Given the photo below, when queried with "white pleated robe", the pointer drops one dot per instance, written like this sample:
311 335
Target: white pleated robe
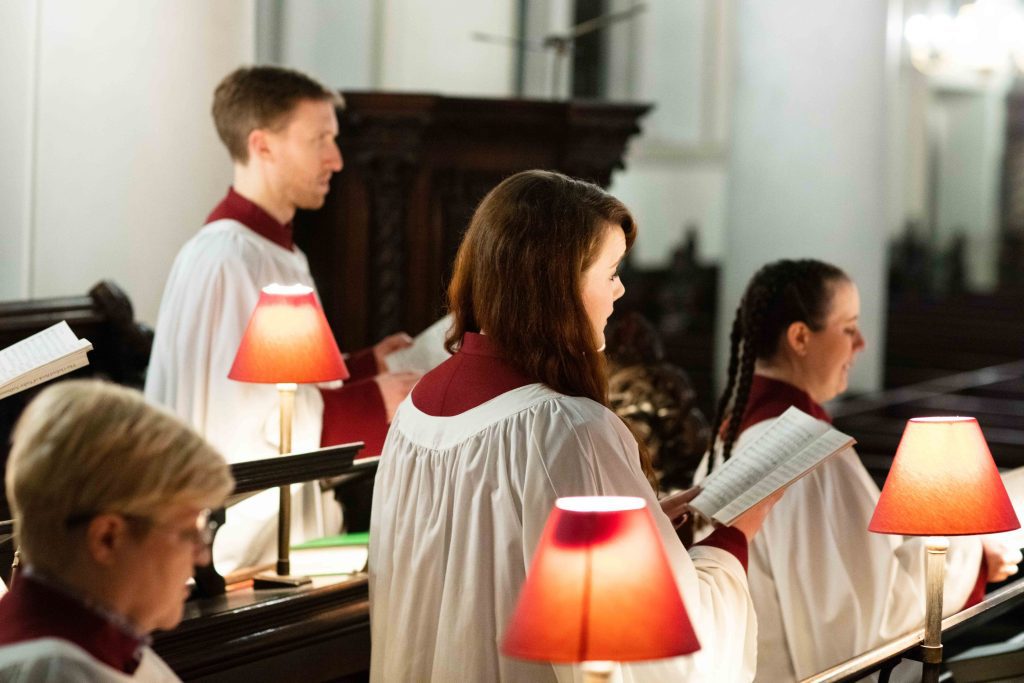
210 294
459 506
52 660
824 587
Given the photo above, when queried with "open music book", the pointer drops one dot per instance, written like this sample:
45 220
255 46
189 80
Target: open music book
45 355
427 350
794 445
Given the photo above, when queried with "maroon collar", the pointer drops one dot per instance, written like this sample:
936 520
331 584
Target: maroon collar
251 215
473 376
36 609
479 345
769 398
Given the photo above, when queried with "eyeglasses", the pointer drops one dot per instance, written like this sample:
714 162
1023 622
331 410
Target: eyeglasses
200 536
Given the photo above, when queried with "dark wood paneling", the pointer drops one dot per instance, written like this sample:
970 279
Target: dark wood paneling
416 166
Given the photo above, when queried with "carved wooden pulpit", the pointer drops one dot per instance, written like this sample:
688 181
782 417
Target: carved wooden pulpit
416 166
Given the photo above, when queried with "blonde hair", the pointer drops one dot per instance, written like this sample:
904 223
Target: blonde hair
86 447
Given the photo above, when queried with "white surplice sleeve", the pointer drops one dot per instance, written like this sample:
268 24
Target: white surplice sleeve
585 449
210 294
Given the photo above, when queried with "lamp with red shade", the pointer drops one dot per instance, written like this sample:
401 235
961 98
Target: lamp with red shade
287 342
599 590
942 483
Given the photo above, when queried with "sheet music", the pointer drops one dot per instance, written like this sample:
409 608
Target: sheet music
427 350
791 447
42 347
46 354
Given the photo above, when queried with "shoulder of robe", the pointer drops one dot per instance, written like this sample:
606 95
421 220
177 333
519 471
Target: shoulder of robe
227 240
587 415
52 660
218 249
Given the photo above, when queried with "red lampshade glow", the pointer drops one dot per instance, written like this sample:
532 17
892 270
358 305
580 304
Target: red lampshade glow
943 483
600 588
288 341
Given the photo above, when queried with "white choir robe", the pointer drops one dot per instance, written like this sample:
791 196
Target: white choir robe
53 660
825 588
210 294
458 509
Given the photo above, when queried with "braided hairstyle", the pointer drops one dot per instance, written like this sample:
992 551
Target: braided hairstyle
778 295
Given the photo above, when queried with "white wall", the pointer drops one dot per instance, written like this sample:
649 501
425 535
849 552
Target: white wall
969 134
334 41
126 163
398 45
17 65
808 161
675 174
428 47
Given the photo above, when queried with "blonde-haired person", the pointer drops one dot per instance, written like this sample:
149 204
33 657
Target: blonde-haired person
110 498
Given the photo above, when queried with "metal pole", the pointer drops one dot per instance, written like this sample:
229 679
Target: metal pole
935 569
286 392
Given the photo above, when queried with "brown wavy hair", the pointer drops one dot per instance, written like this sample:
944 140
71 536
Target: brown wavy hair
518 275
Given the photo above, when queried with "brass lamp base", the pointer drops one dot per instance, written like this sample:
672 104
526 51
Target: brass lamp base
596 671
283 578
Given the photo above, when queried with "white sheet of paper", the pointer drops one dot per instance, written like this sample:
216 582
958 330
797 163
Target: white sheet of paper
794 445
427 350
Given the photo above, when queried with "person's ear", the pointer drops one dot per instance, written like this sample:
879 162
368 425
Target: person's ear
259 143
105 536
798 337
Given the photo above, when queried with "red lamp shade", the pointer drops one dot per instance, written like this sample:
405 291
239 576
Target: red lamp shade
943 483
600 588
288 340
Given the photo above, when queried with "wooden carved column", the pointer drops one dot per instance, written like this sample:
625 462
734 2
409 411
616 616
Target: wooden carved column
385 153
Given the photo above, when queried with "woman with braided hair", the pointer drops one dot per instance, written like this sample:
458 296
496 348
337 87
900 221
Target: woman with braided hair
824 588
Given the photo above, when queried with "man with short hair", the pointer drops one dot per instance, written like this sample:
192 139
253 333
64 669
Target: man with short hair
111 500
279 127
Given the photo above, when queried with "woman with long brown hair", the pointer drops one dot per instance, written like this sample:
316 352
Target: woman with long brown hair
516 418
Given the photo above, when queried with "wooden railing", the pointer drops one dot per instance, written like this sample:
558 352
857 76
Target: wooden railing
995 396
885 657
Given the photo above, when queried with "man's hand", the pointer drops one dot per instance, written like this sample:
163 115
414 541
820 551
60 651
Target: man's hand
388 345
394 387
1001 559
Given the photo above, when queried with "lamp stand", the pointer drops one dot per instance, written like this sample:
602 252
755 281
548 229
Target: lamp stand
283 578
597 671
935 569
